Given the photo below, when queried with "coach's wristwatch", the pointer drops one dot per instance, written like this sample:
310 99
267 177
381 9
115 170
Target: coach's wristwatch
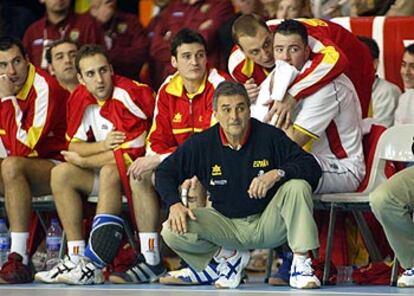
281 173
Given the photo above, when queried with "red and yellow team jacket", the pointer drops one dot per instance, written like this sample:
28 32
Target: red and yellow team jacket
334 51
42 33
32 124
178 115
130 110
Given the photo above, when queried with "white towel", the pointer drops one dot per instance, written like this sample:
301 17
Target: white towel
273 87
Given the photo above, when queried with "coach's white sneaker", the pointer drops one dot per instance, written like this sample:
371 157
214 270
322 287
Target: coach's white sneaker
85 273
231 270
302 275
406 279
51 276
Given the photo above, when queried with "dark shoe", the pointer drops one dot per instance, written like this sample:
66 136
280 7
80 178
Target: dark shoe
14 271
140 272
281 277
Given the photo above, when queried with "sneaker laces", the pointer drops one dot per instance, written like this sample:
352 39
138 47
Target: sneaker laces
62 265
83 268
86 268
222 267
305 268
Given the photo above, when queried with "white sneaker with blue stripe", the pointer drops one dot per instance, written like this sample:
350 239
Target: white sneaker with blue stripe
406 279
231 270
51 276
85 273
189 276
302 275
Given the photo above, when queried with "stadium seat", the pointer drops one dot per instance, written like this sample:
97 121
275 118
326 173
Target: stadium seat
391 33
393 144
40 205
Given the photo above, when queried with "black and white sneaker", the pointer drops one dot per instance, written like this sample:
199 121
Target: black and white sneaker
51 276
85 273
140 272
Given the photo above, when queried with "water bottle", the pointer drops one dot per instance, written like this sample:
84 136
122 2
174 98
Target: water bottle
4 242
53 240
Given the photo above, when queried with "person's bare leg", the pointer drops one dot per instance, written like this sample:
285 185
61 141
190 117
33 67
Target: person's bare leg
147 212
110 191
22 179
68 183
146 204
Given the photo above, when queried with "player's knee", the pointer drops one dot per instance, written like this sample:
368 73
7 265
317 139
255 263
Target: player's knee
61 175
109 174
12 168
144 182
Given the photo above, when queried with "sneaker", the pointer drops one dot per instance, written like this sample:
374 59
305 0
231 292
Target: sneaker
231 270
51 276
140 272
85 273
189 276
14 271
302 275
281 277
406 279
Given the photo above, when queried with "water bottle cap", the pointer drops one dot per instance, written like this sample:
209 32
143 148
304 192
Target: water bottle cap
54 220
2 221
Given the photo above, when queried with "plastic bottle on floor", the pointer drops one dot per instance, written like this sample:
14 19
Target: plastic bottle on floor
53 241
4 241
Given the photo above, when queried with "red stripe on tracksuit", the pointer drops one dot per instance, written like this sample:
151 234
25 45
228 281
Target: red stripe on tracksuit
335 141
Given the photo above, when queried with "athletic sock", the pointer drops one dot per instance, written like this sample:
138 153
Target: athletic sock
76 249
149 242
19 244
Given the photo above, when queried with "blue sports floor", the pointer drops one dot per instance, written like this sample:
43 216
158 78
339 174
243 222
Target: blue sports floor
254 287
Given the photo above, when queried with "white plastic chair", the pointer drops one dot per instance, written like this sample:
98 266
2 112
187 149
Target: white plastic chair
395 144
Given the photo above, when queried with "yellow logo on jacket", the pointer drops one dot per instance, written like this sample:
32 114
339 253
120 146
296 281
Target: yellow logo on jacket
260 163
216 170
177 117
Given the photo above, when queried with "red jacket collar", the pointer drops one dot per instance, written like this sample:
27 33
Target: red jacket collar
225 142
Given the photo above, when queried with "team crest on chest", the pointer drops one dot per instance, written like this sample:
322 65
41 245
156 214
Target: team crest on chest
216 170
177 117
